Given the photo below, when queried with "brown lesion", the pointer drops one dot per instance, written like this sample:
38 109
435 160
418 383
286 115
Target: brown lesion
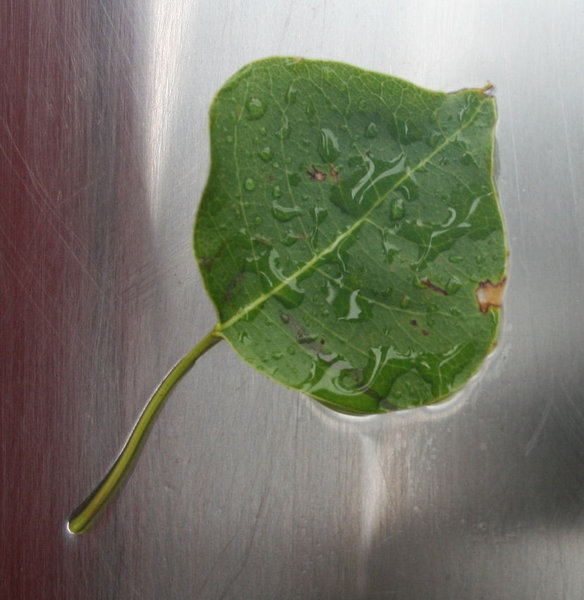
316 175
208 262
431 286
228 295
334 174
490 294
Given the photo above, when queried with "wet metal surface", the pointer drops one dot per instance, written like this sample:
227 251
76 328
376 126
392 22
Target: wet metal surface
246 489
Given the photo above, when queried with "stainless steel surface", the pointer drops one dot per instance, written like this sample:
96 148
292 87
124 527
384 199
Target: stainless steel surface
246 489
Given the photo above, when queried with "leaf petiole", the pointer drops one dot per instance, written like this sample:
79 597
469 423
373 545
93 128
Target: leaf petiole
86 514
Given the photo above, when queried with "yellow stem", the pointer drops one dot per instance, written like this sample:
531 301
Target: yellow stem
86 514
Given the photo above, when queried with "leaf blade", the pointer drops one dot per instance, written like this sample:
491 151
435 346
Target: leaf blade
315 204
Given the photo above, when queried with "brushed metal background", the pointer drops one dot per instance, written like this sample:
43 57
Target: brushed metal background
246 489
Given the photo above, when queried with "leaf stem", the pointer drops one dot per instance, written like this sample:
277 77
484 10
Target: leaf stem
86 514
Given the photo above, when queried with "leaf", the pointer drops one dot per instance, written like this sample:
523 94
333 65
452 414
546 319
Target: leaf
349 220
350 239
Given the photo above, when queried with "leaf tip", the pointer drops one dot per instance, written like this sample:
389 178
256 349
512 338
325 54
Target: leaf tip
488 90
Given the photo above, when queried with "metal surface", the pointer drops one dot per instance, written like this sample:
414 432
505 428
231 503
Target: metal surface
246 489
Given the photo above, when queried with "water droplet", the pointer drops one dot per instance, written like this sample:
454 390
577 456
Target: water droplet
271 274
266 153
362 106
450 219
285 318
249 184
397 209
229 139
371 130
285 213
347 303
255 108
277 355
435 138
389 246
405 130
291 95
409 189
276 191
405 301
467 159
355 311
319 214
291 238
284 132
350 379
455 259
310 109
358 192
258 220
328 145
244 338
291 350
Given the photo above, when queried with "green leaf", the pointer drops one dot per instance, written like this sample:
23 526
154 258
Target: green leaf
349 237
349 234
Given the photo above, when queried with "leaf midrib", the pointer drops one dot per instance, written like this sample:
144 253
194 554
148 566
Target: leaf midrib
220 327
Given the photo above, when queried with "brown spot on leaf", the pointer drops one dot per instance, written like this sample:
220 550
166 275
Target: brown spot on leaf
316 175
334 173
434 288
207 262
227 297
489 294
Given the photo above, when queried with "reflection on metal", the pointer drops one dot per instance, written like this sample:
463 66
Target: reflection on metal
246 489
